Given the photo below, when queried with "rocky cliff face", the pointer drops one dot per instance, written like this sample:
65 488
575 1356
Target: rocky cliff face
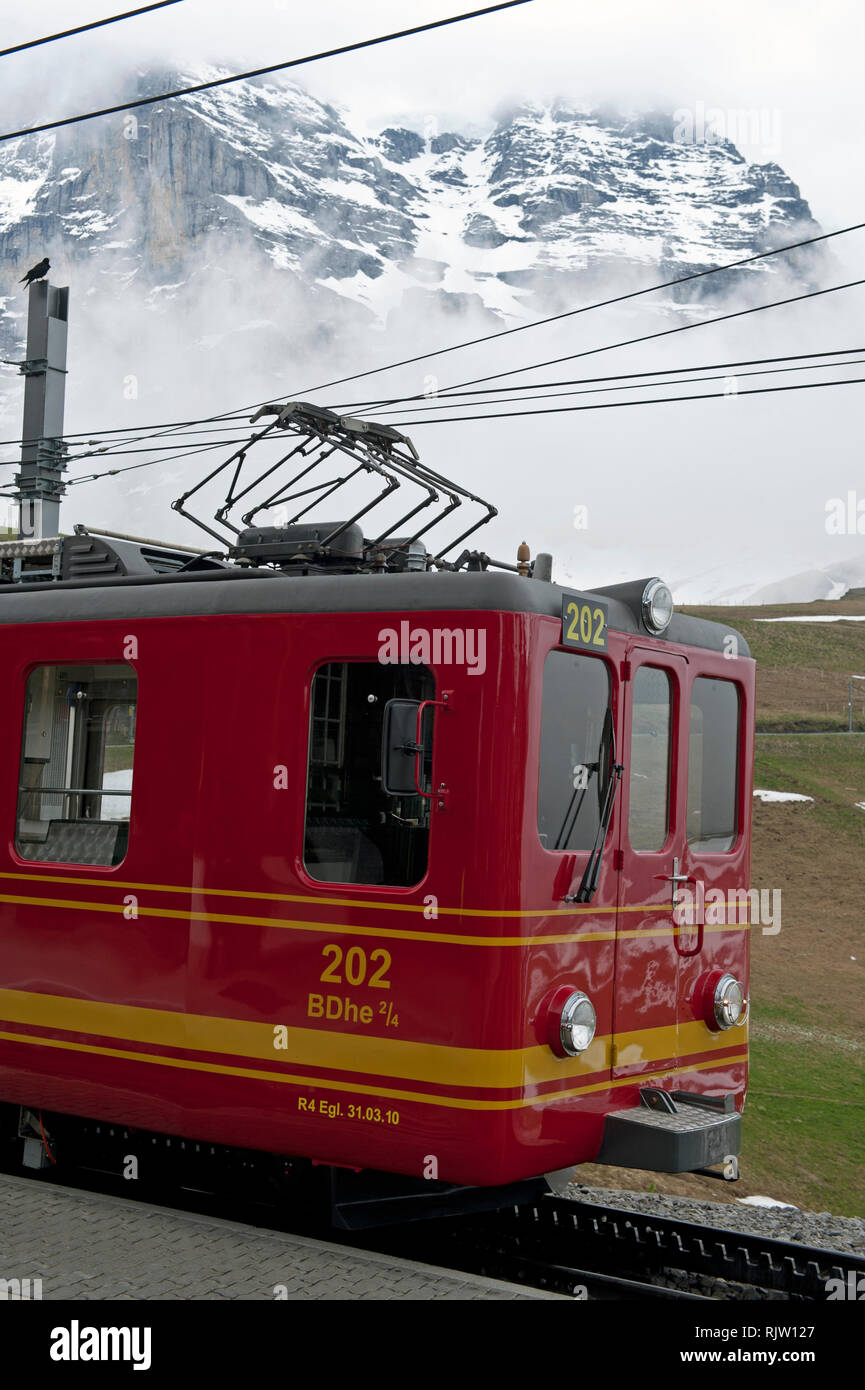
253 239
364 223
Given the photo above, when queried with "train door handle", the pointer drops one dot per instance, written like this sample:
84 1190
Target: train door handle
443 703
675 878
697 949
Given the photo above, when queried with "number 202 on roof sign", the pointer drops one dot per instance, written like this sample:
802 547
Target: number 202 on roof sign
584 623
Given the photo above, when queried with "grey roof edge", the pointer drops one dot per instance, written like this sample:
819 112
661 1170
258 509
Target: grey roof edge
224 592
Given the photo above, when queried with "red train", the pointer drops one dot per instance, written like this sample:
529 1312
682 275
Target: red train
372 869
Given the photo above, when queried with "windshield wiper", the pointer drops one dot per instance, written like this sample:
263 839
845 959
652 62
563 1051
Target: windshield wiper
562 838
589 881
591 873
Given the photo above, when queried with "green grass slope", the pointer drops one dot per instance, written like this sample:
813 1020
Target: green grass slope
804 1132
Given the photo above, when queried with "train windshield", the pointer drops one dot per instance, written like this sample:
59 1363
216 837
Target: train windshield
651 743
75 787
575 705
713 766
355 833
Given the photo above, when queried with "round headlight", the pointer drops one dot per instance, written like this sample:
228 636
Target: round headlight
657 605
730 1004
578 1023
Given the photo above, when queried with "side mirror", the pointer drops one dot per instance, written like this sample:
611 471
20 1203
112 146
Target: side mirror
400 750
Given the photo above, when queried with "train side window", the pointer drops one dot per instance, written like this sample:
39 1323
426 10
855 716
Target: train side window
75 786
355 832
713 765
649 779
575 703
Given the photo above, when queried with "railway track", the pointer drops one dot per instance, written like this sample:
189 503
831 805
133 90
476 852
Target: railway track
493 1251
657 1242
565 1246
557 1244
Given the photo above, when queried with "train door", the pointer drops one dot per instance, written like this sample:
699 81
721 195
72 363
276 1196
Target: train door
652 850
715 906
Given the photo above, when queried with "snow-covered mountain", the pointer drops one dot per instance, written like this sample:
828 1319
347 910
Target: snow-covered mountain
369 224
220 243
823 582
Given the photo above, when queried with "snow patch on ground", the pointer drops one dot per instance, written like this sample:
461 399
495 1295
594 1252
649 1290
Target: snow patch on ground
820 618
765 1202
781 796
116 807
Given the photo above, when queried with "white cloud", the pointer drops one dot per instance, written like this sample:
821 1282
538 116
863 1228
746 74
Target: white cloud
713 495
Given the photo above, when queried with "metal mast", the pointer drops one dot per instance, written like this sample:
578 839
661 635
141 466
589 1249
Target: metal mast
43 452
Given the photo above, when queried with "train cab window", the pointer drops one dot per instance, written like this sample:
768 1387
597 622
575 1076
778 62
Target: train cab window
576 702
75 787
355 832
649 779
713 765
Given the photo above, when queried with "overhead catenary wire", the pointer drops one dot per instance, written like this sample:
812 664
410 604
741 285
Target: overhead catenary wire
633 380
645 337
630 381
148 463
134 437
94 436
117 446
150 449
653 400
141 433
85 28
587 352
635 386
237 412
581 309
515 414
303 392
263 72
121 453
535 323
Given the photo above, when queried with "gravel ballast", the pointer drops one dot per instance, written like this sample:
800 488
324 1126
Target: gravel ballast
843 1233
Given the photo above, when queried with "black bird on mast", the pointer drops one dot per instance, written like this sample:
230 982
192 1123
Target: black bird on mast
36 272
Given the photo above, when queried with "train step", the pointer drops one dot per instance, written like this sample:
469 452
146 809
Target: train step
673 1132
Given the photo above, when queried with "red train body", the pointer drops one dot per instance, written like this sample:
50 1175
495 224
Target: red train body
229 976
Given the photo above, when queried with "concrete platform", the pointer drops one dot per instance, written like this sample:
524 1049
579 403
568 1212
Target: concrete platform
87 1246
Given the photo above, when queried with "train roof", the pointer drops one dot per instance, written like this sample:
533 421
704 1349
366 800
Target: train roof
258 590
